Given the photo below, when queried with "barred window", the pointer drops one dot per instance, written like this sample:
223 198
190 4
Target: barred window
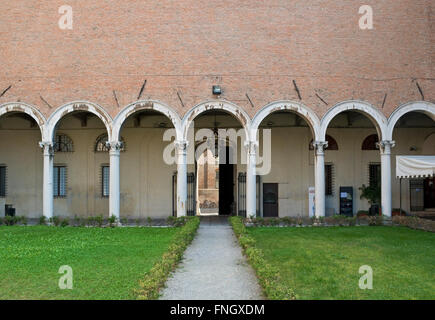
2 181
370 143
101 146
105 179
63 143
375 174
329 180
59 181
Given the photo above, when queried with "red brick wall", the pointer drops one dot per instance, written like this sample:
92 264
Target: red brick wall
246 46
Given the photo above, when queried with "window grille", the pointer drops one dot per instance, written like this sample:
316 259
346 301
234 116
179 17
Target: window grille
101 143
241 190
59 181
63 143
105 175
329 179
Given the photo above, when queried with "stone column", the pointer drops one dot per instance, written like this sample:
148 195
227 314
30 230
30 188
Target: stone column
181 147
385 149
114 183
47 188
319 169
251 183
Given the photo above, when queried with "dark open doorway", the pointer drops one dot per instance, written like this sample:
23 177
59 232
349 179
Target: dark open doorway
226 185
429 193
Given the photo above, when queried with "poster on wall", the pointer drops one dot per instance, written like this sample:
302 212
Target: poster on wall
311 202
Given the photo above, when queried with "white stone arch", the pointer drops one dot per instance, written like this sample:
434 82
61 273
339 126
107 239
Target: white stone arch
87 106
306 113
27 109
222 105
425 107
378 119
145 105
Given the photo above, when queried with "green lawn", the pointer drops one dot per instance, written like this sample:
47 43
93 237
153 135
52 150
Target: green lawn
107 263
323 263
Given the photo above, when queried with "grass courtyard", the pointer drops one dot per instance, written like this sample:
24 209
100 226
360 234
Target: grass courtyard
107 263
323 263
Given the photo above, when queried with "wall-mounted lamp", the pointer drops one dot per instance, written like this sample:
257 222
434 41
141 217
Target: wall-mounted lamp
217 90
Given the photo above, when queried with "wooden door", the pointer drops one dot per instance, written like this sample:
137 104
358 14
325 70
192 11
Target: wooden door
270 199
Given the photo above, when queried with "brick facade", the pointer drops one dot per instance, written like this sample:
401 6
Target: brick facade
248 47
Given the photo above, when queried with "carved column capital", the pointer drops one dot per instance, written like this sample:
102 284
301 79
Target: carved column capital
386 145
251 147
47 147
115 146
181 146
320 146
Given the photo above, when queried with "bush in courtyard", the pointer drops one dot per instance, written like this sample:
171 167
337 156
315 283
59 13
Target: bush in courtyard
55 220
176 222
10 220
287 221
170 220
268 275
91 221
99 221
375 220
75 221
156 277
83 222
42 220
274 222
299 221
112 220
64 222
22 220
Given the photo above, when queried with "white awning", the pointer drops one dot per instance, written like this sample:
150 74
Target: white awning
415 166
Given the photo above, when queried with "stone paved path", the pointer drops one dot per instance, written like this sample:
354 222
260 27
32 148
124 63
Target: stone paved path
213 267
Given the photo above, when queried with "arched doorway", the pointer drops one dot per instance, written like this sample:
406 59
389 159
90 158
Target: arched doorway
219 132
